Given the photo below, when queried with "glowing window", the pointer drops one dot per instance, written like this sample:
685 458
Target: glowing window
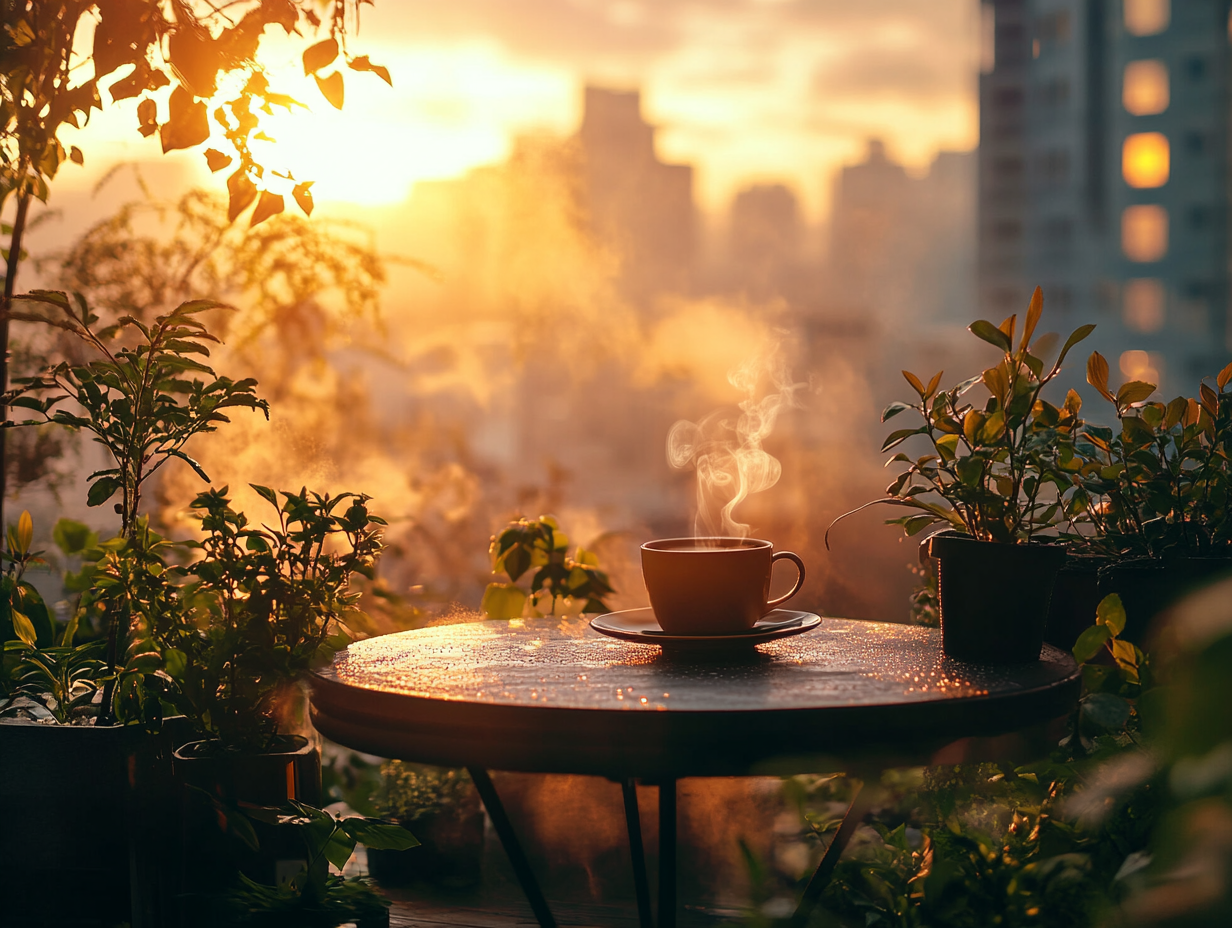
1142 304
1147 17
1142 365
1144 233
1145 159
1144 91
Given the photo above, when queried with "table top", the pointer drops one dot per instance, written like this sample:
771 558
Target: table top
552 695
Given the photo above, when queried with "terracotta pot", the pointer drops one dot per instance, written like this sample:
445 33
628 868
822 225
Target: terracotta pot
994 597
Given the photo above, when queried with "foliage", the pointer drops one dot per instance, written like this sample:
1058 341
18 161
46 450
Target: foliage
262 606
539 543
279 268
410 792
925 597
138 401
23 614
1161 483
313 896
992 466
203 52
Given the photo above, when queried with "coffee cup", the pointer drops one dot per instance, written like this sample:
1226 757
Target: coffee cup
712 586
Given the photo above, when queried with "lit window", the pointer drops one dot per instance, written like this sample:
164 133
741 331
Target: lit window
1147 17
1144 233
1142 304
1147 366
1144 159
1145 88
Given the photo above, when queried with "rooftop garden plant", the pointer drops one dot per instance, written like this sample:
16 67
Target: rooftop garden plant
987 469
568 583
1160 482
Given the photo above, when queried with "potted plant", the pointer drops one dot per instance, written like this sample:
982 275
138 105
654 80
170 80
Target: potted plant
1151 504
992 472
262 606
136 398
442 807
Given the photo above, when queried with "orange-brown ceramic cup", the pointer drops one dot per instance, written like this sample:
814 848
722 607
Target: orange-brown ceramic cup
712 586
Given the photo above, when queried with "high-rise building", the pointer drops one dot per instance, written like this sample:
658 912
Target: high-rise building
641 207
1105 175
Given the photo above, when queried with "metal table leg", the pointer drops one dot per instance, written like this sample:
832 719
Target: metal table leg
633 822
667 854
860 804
513 848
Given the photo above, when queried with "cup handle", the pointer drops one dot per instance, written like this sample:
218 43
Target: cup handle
799 580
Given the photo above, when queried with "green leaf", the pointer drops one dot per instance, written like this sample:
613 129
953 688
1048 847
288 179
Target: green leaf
985 330
1090 642
1074 338
893 410
1111 614
175 662
1134 392
23 628
380 835
73 537
503 601
102 490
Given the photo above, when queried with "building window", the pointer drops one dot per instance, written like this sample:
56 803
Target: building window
1142 304
1053 166
1055 92
1006 231
1007 168
1147 17
1144 233
1195 142
1057 231
1142 365
1145 160
1199 216
1007 97
1144 90
1196 68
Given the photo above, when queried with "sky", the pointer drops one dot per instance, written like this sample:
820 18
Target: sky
748 91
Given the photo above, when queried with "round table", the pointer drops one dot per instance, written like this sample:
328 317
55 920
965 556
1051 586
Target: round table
554 696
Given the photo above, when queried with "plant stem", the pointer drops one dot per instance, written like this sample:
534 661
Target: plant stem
10 284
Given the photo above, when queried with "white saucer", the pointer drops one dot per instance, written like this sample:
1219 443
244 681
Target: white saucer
640 625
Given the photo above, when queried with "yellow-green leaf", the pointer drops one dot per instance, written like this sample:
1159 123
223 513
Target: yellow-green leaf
24 628
1034 311
25 532
503 601
1111 613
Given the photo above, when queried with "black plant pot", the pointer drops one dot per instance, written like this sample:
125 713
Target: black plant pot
83 811
212 784
64 839
1148 586
450 854
1075 596
994 597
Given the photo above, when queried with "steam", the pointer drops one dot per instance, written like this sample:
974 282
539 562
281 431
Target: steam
726 451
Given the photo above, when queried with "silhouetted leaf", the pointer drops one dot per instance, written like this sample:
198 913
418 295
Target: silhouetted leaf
331 88
216 159
1074 338
188 122
242 191
361 63
303 196
75 155
319 56
270 204
147 115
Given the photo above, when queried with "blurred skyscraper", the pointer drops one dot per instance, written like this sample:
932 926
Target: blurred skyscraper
640 206
901 248
1105 175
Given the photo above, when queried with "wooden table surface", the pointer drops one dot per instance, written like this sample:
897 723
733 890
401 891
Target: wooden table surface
552 695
